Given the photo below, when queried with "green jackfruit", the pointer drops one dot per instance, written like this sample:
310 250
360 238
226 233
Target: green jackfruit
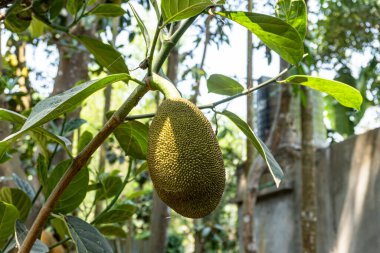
184 159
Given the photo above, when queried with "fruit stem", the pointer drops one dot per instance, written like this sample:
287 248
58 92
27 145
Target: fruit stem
156 82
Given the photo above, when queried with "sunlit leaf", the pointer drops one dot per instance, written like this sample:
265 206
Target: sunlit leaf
175 10
223 85
273 32
343 93
293 12
52 107
108 10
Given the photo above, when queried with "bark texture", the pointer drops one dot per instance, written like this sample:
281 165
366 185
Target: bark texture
309 191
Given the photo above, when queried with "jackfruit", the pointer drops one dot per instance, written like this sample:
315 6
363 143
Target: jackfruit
184 159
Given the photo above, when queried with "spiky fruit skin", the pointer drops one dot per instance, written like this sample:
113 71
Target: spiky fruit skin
184 159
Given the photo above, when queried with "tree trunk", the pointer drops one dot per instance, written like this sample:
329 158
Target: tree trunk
309 191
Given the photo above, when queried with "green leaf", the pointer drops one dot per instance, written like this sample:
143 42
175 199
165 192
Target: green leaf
42 171
293 12
156 8
107 56
142 27
59 226
17 198
39 132
8 216
86 237
109 186
21 232
73 124
273 32
108 10
176 10
118 213
133 138
263 150
142 168
52 107
84 139
112 231
18 18
223 85
24 186
36 28
73 6
75 192
343 93
55 8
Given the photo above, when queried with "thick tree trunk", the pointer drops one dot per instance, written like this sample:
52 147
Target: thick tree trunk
309 191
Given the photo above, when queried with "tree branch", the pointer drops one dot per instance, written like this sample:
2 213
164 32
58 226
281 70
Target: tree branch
222 101
81 160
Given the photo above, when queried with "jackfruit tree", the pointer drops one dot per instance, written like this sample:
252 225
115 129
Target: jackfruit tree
179 148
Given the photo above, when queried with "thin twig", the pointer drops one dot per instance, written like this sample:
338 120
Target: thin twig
222 101
153 47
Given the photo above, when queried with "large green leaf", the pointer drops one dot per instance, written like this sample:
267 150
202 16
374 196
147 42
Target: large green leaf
19 119
175 10
108 10
86 237
263 150
119 213
293 12
8 216
18 198
223 85
133 138
107 56
343 93
21 232
52 107
75 192
273 32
